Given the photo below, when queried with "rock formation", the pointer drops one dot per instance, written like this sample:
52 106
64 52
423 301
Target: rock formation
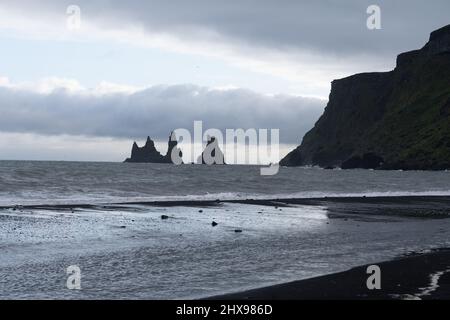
212 153
149 154
173 150
389 120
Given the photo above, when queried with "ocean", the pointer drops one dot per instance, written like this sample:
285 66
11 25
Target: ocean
24 182
105 218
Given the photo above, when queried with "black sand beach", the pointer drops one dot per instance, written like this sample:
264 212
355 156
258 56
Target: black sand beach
411 206
313 240
417 277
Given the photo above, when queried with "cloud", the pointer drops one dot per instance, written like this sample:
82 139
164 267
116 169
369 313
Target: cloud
308 43
332 26
65 108
4 81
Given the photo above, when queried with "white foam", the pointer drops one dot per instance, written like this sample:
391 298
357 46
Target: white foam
434 284
425 291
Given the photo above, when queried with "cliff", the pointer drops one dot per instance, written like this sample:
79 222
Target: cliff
390 120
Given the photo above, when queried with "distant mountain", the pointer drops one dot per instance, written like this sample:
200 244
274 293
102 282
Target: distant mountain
391 120
149 154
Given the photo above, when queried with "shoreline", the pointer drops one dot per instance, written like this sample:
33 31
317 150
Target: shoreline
281 240
272 202
415 277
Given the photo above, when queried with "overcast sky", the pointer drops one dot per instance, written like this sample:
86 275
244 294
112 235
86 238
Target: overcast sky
138 68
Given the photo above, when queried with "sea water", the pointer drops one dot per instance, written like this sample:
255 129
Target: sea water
127 251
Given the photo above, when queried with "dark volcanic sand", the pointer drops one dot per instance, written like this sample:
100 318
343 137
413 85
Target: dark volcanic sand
424 276
127 251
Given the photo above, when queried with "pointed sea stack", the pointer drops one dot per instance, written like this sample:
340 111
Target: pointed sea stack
149 154
145 154
173 150
212 151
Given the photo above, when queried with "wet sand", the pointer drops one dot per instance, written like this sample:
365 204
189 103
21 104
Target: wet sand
127 251
417 277
437 206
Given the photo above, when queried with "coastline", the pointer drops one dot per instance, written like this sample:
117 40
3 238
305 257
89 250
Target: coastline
281 240
331 201
416 277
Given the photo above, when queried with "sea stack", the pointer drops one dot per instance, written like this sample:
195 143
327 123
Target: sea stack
212 155
149 154
174 151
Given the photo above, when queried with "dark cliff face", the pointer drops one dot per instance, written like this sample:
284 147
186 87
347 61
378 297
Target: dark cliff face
400 118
